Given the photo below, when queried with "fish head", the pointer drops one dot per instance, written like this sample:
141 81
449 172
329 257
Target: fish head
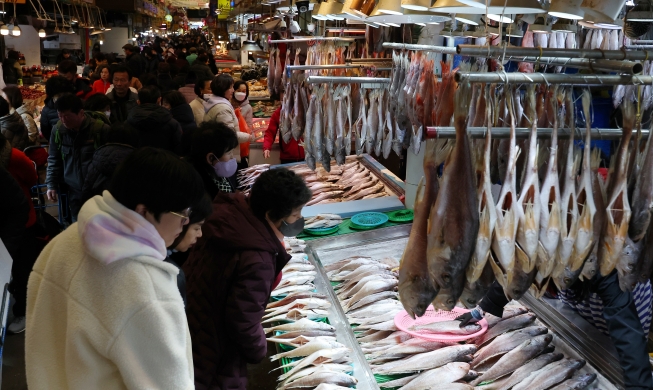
627 265
444 300
472 294
416 293
519 278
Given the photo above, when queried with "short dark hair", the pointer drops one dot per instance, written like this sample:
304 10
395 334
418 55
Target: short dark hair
99 57
193 49
191 77
14 96
65 51
199 212
174 98
278 192
157 179
101 68
202 58
121 68
67 66
123 133
212 137
221 84
4 107
199 85
163 67
69 102
97 102
237 85
92 63
149 94
57 85
13 54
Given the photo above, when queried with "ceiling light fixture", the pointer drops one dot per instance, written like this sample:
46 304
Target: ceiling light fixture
605 12
540 26
41 33
566 9
416 5
565 25
501 18
390 7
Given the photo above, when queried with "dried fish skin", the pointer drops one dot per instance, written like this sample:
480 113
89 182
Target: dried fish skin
454 218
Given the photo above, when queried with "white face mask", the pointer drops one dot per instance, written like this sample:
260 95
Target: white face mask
207 96
107 113
240 96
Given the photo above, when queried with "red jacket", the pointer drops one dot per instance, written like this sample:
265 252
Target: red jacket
289 151
101 86
22 169
230 273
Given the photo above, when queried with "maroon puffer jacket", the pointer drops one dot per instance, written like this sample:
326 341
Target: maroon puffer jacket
230 274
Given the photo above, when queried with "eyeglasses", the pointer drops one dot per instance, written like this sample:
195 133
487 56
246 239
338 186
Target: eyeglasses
184 218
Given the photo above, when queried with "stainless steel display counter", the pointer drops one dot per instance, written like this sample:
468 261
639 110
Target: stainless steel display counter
572 334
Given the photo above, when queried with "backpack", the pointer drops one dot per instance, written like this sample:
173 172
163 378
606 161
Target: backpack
242 124
96 130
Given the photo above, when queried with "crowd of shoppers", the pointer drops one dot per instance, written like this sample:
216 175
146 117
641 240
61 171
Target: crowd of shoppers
146 152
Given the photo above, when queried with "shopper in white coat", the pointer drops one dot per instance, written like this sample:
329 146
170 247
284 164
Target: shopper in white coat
219 108
103 309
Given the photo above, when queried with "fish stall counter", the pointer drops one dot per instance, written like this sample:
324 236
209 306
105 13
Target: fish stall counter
372 186
364 318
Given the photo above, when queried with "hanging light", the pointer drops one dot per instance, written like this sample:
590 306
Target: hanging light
163 26
642 12
409 17
454 7
470 19
16 31
603 12
565 25
507 7
540 26
567 9
4 30
416 5
500 18
390 7
41 33
70 30
101 39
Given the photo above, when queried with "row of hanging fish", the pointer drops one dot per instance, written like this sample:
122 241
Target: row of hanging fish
312 355
555 219
515 352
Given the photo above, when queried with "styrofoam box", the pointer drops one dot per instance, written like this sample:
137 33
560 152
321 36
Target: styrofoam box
65 38
51 44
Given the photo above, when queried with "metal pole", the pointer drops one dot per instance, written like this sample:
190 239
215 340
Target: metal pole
405 46
524 132
546 78
366 60
638 47
336 39
641 41
346 80
628 67
318 67
498 51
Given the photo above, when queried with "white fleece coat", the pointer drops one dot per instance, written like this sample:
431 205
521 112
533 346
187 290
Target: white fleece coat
103 308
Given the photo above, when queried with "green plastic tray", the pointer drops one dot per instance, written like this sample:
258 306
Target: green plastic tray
323 231
401 216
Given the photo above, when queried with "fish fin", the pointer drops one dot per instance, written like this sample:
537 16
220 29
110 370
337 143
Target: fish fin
498 272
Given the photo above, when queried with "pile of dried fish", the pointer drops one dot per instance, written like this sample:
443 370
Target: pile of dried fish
554 221
246 177
351 181
314 358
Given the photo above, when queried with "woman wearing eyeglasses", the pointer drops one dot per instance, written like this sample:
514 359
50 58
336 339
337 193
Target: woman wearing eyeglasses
231 273
212 156
103 308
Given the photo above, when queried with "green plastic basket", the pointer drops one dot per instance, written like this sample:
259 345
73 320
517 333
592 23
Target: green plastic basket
401 216
322 231
369 220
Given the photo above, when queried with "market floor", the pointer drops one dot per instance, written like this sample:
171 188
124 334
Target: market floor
13 367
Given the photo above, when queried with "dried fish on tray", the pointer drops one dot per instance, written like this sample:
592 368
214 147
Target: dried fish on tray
516 350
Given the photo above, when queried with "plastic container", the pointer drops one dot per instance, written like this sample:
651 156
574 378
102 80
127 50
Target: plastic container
401 216
322 231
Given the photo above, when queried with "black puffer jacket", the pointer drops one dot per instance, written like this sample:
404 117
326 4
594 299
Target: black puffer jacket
49 118
14 129
184 115
104 163
156 127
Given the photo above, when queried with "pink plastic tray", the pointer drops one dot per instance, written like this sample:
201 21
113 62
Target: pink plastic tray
404 321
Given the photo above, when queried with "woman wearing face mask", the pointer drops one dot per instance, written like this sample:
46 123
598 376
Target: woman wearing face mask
103 84
212 156
231 272
241 100
178 251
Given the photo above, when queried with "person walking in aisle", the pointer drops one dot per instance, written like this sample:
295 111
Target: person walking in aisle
11 69
192 56
73 141
181 111
241 100
123 99
202 91
231 272
68 69
290 152
155 125
218 108
212 156
134 60
201 67
103 308
15 99
103 84
55 87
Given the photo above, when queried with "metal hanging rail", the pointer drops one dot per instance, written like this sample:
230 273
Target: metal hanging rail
367 60
627 67
550 78
497 51
314 39
406 46
524 132
346 80
319 67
